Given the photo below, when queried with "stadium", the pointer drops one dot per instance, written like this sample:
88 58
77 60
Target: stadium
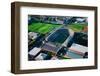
57 37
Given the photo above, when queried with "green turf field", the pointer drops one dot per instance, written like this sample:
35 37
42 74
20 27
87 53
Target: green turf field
77 27
42 28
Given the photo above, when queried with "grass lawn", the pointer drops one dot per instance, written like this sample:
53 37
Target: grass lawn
65 58
42 28
77 27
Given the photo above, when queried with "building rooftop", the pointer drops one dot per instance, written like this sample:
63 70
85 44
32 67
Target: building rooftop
50 47
79 49
35 51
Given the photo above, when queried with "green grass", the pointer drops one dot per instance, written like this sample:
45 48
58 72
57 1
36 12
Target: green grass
62 57
65 58
42 28
77 27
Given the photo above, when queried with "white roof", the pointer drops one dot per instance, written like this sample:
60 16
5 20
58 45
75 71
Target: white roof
79 48
54 58
39 57
34 51
80 19
33 34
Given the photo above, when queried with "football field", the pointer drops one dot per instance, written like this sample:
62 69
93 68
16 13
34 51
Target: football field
42 28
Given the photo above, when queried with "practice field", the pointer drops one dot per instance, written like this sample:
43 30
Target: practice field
77 27
42 28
